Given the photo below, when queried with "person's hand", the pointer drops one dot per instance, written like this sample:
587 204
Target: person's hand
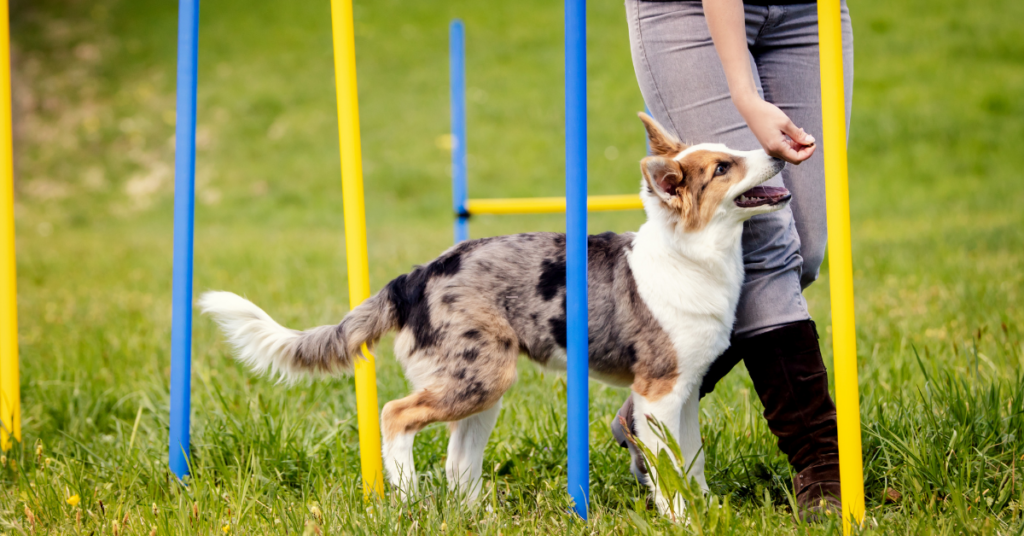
776 132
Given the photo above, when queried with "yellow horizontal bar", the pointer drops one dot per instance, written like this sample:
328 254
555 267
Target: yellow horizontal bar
538 205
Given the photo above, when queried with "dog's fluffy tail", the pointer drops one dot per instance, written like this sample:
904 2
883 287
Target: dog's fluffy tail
264 345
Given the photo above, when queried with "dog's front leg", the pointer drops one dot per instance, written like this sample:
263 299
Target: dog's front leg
689 438
668 409
464 467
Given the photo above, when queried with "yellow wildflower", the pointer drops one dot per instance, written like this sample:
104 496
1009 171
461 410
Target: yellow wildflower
74 500
226 528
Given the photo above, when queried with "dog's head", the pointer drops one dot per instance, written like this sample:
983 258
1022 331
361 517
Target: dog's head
696 186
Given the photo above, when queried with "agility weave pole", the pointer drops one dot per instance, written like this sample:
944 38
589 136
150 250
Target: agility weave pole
457 87
574 204
840 261
184 224
578 358
342 30
10 387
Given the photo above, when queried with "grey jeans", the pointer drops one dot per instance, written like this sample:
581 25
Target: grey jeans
684 85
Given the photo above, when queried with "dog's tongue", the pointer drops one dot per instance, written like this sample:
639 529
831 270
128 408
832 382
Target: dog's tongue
763 195
767 191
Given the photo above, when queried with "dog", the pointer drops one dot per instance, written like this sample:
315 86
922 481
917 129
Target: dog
662 302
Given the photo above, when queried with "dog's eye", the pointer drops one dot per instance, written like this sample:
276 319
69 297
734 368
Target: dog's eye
721 169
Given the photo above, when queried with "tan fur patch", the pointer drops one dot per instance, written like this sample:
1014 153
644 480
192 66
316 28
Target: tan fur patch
409 414
447 401
653 389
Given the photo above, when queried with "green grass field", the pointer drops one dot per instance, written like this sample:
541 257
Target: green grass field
936 193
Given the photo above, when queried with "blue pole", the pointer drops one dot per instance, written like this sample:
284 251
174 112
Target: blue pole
576 250
457 77
184 211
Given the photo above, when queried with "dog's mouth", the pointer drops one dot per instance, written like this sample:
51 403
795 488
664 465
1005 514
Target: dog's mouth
763 196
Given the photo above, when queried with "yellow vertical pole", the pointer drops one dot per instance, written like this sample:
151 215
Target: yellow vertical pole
10 389
355 236
840 261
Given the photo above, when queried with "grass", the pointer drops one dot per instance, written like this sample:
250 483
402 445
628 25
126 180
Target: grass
938 251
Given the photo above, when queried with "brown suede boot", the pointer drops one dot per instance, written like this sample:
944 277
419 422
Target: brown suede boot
790 379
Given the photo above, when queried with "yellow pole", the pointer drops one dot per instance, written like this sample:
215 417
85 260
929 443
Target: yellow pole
10 389
355 236
840 261
538 205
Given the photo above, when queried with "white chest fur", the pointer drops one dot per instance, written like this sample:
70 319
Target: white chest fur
691 285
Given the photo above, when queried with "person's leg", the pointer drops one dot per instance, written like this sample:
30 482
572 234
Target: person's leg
785 362
684 85
786 54
682 81
785 51
680 75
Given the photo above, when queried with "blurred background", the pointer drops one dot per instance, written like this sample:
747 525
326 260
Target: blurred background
935 186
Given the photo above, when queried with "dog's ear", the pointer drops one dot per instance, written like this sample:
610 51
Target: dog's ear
664 176
662 143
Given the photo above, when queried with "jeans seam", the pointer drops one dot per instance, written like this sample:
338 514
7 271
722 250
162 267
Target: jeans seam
647 68
767 17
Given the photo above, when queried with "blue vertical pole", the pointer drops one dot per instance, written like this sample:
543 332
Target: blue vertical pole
457 77
576 250
184 211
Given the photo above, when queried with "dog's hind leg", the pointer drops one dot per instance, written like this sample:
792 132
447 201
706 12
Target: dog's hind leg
469 394
464 467
401 419
460 372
